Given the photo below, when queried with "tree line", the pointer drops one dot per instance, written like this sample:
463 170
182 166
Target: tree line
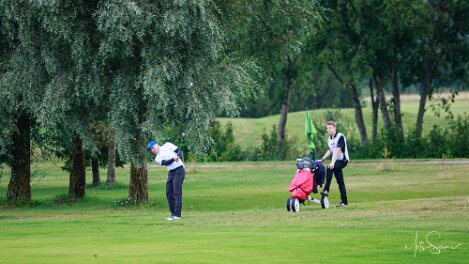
80 77
379 45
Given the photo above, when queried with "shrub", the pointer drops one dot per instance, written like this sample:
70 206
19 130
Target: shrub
458 139
224 147
452 142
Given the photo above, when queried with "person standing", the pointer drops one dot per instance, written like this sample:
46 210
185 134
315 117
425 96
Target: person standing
338 148
169 156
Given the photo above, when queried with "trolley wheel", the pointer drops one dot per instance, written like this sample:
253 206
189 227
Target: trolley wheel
288 205
324 202
295 205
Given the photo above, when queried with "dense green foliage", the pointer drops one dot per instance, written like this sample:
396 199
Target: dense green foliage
141 68
90 57
371 47
165 70
125 60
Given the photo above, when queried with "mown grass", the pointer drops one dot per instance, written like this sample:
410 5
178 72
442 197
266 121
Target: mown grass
236 213
248 131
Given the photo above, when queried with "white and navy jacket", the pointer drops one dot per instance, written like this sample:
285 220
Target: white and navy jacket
166 154
338 141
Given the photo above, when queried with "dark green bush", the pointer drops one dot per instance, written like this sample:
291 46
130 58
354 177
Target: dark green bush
458 138
273 148
224 147
438 143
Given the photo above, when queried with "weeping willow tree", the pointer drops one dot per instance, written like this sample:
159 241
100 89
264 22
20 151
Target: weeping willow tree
168 71
74 97
22 82
148 67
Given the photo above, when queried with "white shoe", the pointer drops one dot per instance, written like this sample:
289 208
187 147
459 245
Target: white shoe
172 218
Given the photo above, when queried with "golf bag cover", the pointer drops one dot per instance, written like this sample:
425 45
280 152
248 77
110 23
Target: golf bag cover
302 185
319 175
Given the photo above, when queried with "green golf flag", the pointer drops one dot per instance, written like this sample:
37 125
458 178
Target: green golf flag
310 131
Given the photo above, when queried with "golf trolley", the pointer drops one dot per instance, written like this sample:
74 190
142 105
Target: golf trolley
308 176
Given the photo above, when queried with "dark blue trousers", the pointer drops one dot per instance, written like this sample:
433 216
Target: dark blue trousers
174 190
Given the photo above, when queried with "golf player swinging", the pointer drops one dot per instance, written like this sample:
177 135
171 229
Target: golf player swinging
169 156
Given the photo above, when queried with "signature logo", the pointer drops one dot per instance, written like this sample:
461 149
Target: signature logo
421 246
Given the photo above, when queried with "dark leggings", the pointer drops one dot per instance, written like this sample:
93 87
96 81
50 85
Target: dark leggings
339 176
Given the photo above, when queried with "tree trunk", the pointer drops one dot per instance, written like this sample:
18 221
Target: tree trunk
286 100
382 104
396 96
111 165
358 114
374 105
19 187
78 169
421 112
424 93
95 170
138 186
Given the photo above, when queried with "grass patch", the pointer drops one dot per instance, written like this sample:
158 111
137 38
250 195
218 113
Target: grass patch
237 214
